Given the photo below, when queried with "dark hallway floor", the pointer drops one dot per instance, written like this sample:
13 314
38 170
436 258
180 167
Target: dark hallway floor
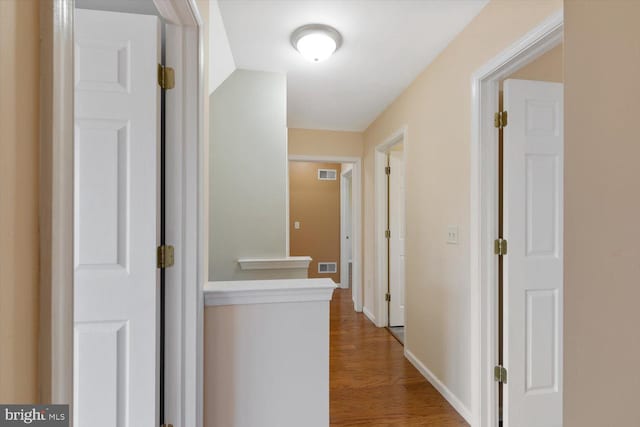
372 384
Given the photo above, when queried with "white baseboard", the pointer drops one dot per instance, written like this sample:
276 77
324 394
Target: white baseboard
435 382
369 315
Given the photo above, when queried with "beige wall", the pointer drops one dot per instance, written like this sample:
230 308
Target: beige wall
547 68
19 83
316 205
602 212
311 142
436 110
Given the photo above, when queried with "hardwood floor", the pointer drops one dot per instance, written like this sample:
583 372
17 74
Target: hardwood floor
372 384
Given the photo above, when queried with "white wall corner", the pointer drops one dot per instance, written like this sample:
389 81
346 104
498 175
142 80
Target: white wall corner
453 400
369 315
221 61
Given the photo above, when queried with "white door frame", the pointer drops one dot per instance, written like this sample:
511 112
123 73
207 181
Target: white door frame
346 179
484 202
185 171
381 316
356 223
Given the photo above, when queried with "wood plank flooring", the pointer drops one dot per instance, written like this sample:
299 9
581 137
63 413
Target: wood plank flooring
372 384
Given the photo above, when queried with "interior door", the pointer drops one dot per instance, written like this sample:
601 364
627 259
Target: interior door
346 220
396 244
533 266
117 119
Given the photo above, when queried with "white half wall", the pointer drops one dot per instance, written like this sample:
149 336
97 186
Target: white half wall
222 63
266 353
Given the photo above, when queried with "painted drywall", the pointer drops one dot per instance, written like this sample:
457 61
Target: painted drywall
221 62
315 205
248 173
267 365
546 68
312 142
602 207
436 108
19 249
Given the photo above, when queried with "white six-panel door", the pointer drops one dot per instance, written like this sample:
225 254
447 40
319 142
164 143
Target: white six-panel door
116 205
533 223
397 228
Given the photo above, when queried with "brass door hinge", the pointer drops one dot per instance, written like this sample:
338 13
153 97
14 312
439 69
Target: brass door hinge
500 119
387 234
165 256
500 247
166 77
500 374
387 297
387 170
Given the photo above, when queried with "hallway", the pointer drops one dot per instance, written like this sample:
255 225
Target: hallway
372 384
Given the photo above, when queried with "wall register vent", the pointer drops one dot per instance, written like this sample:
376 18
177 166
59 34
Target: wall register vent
327 267
327 174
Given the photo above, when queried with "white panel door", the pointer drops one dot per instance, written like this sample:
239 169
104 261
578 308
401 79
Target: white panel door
116 230
533 286
396 245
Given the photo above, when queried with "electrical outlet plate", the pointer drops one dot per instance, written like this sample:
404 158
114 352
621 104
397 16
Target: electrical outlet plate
452 234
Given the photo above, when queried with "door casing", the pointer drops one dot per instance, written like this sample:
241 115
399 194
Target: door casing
187 173
484 210
381 316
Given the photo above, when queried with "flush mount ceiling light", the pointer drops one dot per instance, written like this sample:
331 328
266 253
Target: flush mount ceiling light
316 42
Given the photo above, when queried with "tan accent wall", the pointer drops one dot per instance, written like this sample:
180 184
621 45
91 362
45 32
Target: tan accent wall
19 130
602 212
312 142
316 205
436 108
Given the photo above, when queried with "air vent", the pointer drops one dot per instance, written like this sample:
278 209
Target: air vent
327 267
327 174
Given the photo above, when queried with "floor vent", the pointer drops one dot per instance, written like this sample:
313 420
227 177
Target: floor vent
327 267
327 174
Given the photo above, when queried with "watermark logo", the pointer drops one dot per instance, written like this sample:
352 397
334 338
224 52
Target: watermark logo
34 415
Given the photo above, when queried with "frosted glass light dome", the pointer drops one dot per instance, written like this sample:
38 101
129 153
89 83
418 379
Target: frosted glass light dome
316 42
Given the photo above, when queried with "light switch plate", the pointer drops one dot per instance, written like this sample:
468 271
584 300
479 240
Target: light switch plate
452 234
296 225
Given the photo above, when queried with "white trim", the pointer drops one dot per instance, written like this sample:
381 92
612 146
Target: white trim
483 263
56 199
267 291
346 180
356 223
380 203
369 315
439 385
288 263
184 213
184 313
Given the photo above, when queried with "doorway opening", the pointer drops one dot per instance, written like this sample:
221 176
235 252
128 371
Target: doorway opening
390 226
516 235
324 217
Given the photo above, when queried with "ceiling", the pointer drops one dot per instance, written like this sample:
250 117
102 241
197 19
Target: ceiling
387 43
144 7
